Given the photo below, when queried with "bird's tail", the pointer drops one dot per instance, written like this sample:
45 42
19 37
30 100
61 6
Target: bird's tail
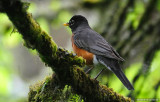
123 79
114 66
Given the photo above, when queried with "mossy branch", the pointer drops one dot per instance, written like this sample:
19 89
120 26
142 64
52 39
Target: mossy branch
63 63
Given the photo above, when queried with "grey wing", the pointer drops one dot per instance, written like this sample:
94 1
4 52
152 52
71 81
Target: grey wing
96 44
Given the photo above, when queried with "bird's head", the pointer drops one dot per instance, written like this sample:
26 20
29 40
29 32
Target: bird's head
77 21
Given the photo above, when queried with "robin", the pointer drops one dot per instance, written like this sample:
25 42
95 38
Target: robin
94 48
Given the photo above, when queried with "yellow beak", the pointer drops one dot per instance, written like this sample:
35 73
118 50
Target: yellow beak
66 24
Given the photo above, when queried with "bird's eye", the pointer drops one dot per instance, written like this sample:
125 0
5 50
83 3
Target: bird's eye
71 22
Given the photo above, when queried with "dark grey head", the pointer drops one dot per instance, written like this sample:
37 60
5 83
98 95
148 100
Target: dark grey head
77 21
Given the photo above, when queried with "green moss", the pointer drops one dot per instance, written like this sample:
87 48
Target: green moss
49 90
34 89
43 91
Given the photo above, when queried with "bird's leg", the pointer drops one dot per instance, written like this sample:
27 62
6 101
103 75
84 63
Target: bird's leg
99 74
89 69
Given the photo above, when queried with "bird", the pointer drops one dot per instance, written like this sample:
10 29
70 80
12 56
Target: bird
90 45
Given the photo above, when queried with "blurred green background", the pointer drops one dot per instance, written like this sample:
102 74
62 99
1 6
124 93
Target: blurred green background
132 27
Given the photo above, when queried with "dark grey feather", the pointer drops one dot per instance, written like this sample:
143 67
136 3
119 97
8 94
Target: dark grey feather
93 42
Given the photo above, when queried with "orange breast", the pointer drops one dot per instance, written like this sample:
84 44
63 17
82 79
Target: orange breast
83 53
